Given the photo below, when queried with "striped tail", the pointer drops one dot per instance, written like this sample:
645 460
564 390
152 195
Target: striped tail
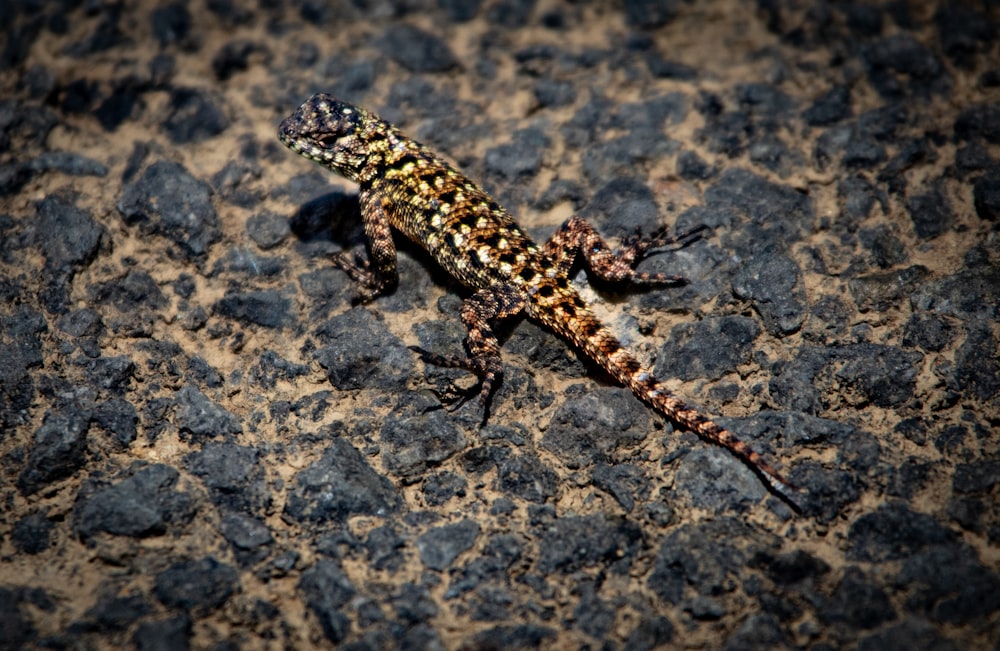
578 324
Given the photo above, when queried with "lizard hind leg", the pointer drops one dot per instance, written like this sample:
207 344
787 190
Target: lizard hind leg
576 234
480 313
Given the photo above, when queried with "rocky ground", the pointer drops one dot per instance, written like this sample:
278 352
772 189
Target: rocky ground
206 444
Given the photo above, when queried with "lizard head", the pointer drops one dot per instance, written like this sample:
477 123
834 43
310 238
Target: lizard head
330 132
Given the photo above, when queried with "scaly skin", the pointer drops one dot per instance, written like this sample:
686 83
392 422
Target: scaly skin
405 186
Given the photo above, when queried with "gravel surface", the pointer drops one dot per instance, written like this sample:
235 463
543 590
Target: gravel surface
205 443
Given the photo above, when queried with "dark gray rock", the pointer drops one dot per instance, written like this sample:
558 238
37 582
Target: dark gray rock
887 250
856 196
199 585
243 261
623 155
440 487
791 567
571 543
894 532
271 367
693 167
66 162
200 418
200 372
414 604
119 417
440 546
513 636
773 284
649 115
511 14
883 375
927 331
622 205
528 478
172 24
828 320
327 590
59 449
900 67
594 616
760 631
339 485
539 347
417 50
554 93
650 633
85 322
32 534
245 533
707 349
979 121
976 372
267 308
111 373
460 10
492 564
857 603
360 352
669 69
412 444
144 504
777 208
825 491
649 14
950 585
521 158
973 157
970 292
194 116
705 557
267 229
716 479
883 290
166 200
930 212
976 477
912 633
137 291
831 107
235 56
986 195
594 424
172 634
233 475
625 482
114 613
385 548
79 235
21 353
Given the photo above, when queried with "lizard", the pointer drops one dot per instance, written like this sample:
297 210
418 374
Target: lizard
404 186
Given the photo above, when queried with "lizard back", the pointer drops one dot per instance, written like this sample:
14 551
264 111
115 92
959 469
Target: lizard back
419 193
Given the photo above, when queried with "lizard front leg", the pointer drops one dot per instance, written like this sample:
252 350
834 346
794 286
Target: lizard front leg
480 312
378 273
576 234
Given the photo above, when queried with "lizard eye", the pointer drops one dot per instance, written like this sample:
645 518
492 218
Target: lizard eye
327 141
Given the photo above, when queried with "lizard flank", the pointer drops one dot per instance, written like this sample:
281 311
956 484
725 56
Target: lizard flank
404 186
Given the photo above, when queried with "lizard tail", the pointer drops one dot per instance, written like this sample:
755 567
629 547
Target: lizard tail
603 347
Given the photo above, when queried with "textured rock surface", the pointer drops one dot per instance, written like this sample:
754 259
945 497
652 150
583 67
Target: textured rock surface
205 443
